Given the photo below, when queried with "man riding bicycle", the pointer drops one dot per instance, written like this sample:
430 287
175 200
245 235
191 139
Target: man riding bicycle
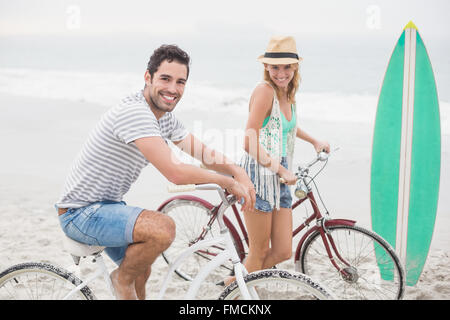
127 138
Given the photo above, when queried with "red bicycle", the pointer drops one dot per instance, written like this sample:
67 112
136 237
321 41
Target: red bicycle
351 261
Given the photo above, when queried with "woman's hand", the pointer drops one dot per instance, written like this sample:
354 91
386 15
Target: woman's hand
320 146
288 177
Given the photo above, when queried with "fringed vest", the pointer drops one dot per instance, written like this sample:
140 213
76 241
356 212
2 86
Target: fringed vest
267 185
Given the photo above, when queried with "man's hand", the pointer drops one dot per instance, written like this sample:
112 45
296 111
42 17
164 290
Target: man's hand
242 178
240 191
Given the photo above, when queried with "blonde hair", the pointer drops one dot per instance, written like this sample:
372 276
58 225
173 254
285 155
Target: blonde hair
292 86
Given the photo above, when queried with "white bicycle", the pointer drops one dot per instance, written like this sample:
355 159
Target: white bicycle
34 281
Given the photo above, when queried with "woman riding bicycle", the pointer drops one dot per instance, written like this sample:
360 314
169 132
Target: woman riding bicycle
269 145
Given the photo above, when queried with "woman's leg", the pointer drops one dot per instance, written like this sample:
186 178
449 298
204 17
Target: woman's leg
281 238
259 226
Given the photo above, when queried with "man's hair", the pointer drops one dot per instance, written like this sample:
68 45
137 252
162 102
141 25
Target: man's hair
169 53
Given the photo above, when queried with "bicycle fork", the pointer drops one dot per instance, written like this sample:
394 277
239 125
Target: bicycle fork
333 252
323 222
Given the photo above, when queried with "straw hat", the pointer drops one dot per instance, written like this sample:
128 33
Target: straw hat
281 50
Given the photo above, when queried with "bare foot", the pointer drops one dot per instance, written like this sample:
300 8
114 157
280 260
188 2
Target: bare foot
122 291
229 280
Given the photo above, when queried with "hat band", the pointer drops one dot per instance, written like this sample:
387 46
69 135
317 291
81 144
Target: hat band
280 55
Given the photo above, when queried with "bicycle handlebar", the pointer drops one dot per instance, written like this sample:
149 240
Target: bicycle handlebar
192 187
321 156
181 188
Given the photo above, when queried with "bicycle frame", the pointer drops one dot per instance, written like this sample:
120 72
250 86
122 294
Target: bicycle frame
102 270
322 223
230 252
219 259
214 211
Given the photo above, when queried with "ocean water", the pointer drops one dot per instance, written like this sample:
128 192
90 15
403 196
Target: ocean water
341 75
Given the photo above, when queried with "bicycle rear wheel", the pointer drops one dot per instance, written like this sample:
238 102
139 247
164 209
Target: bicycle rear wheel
275 284
194 222
374 271
40 281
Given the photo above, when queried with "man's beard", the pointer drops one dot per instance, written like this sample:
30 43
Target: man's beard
159 107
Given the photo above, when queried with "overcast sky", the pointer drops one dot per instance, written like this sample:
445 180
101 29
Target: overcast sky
93 17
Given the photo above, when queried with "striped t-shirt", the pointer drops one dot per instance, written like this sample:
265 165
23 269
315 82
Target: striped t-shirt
109 162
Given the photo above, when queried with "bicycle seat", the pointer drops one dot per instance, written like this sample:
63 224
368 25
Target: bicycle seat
79 249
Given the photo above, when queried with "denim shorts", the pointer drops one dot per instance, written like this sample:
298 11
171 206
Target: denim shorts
285 193
105 223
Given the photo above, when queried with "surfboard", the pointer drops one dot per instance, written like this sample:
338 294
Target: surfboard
406 156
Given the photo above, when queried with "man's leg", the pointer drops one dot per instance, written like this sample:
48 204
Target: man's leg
153 233
140 283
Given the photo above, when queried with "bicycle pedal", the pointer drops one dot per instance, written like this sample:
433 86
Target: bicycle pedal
76 259
220 283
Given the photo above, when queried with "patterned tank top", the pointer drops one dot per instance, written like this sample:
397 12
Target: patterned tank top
266 182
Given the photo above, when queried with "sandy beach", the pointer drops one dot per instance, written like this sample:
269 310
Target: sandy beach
40 138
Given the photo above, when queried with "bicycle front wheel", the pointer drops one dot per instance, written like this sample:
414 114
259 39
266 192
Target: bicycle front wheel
370 269
40 281
276 284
